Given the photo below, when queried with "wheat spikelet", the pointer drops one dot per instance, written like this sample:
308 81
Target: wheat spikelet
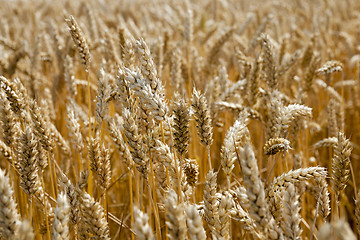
121 38
189 26
283 48
239 212
297 175
221 105
104 172
81 183
100 162
254 186
110 51
248 65
125 94
241 215
44 206
239 193
233 90
94 153
191 171
239 109
161 180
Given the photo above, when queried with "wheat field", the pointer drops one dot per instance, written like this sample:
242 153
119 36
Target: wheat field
166 119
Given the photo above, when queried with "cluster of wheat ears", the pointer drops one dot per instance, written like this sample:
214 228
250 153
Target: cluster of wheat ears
169 119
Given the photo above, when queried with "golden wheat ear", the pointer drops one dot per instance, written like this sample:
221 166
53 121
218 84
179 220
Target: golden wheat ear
9 216
79 40
142 228
62 213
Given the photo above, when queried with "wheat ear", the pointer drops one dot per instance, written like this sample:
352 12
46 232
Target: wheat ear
9 216
62 212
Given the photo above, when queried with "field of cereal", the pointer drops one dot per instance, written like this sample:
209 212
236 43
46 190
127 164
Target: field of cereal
166 119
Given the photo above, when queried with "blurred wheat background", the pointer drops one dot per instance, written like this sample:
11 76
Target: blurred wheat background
165 119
